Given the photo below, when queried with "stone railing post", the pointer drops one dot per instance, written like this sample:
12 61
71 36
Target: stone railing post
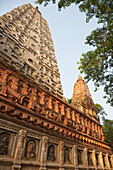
73 115
75 156
50 102
107 161
85 158
43 158
111 160
101 160
61 155
62 109
94 159
56 106
19 149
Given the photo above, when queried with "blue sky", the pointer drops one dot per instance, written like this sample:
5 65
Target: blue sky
69 30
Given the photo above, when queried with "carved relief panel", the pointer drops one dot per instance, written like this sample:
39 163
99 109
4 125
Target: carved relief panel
51 154
4 143
67 155
31 149
7 143
80 156
90 162
97 159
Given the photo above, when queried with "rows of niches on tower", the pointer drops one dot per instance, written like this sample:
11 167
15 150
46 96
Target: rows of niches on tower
32 150
26 43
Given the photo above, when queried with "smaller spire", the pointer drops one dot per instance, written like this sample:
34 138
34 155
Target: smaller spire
81 98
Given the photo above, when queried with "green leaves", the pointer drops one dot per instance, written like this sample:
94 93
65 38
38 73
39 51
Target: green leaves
108 131
70 100
100 111
98 64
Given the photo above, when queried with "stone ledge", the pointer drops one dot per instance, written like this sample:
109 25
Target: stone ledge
32 163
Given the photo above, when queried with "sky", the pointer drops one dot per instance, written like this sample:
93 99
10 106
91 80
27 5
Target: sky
69 29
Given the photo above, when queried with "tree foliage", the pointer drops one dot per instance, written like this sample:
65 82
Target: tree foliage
98 63
70 100
100 111
108 131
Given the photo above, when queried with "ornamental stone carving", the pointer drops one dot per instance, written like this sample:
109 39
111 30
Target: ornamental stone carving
67 155
4 143
90 162
31 150
51 153
80 156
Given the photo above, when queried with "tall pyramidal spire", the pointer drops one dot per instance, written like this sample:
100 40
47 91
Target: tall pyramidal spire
27 45
82 99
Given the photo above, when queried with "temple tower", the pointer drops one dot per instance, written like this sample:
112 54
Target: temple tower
82 99
26 43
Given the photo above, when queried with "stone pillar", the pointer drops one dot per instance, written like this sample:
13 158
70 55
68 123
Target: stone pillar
73 115
93 126
61 155
42 98
75 157
107 161
56 107
50 103
62 109
94 159
112 161
85 158
101 160
43 157
78 118
19 149
68 113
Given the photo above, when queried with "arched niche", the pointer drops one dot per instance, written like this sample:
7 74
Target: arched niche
31 150
67 155
51 153
80 156
4 143
90 162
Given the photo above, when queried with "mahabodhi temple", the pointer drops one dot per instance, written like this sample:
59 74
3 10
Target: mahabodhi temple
39 129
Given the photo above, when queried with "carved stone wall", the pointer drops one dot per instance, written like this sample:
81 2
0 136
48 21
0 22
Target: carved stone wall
30 149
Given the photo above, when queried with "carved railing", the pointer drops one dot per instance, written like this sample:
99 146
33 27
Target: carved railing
33 104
